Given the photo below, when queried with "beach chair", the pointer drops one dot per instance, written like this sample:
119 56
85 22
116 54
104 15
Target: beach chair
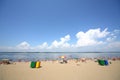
38 64
33 64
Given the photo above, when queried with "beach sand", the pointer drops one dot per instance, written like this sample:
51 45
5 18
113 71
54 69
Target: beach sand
49 70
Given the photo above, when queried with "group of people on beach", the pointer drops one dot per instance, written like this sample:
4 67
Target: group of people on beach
63 59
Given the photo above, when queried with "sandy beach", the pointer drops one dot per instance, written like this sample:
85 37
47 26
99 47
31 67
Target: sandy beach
49 70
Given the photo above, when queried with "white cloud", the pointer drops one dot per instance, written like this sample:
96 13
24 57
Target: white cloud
4 49
63 43
23 45
112 38
91 40
43 46
113 35
90 37
113 46
116 31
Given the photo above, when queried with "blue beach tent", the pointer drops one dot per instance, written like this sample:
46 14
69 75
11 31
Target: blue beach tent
106 62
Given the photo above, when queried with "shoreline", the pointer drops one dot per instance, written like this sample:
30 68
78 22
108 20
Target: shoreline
55 56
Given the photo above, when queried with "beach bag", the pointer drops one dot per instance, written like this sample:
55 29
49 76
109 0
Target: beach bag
38 64
101 62
33 64
106 62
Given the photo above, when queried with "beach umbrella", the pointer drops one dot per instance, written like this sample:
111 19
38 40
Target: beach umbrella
62 57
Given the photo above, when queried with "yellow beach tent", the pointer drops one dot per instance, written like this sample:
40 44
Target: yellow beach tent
38 64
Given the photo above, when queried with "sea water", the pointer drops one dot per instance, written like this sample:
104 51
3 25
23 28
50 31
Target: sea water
30 56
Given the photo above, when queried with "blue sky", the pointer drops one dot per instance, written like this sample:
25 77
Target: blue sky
31 23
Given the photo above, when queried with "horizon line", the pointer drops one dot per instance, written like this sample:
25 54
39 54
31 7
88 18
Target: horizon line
62 52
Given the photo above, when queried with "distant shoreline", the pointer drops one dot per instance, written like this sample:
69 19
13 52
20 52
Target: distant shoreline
59 52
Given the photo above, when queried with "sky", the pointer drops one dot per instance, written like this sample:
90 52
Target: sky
59 25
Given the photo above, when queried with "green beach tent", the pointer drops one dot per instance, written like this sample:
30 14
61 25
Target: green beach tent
101 62
33 64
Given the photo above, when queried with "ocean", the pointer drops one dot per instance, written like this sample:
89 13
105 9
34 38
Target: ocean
33 56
